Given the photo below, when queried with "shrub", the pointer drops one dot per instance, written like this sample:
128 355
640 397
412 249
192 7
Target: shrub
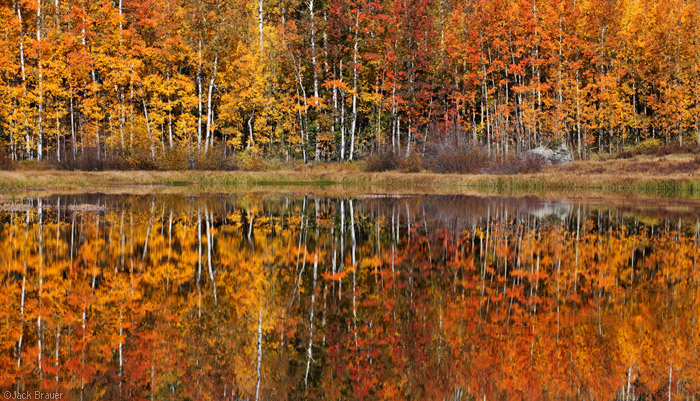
455 157
626 155
413 163
676 149
6 162
518 164
86 159
213 159
528 162
649 144
173 159
657 148
383 161
554 143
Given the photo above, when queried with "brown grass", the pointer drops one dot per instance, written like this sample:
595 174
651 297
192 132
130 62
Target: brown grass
640 174
639 168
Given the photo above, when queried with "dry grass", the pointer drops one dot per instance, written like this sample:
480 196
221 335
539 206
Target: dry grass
675 175
638 168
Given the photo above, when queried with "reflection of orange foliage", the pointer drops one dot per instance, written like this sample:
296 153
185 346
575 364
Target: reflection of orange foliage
506 308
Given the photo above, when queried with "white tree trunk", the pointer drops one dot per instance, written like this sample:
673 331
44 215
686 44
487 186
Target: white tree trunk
210 114
260 24
313 66
148 128
24 80
342 116
354 88
199 96
58 136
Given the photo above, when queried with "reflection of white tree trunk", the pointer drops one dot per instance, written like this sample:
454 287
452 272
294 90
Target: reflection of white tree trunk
210 238
170 248
39 334
670 375
334 265
354 271
121 360
199 263
24 286
82 354
311 324
257 386
251 218
58 345
342 246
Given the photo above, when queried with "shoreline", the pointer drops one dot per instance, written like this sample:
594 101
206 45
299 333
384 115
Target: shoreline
674 177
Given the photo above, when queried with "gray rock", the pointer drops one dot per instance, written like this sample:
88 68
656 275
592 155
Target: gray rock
559 156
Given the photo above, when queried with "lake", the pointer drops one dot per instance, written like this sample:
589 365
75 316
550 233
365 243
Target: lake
284 296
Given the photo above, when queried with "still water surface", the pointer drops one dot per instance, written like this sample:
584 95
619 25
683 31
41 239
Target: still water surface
259 296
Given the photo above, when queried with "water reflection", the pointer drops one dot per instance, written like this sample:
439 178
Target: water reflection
273 297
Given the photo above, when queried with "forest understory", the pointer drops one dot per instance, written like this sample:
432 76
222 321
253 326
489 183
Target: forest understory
657 174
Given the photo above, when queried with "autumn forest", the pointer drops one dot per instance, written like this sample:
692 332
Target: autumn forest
180 82
453 200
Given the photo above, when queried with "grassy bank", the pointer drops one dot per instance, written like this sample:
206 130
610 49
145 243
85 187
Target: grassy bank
669 176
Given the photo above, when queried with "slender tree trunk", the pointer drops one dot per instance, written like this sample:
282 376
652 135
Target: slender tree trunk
260 24
58 136
342 116
354 88
578 117
393 114
301 128
251 140
27 140
148 128
72 123
210 113
313 66
305 120
170 116
199 96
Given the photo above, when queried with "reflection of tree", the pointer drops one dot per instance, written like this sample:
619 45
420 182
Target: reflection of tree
212 298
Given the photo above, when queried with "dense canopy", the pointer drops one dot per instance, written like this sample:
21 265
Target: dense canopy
142 80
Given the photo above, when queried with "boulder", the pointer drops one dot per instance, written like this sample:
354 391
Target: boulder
558 156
